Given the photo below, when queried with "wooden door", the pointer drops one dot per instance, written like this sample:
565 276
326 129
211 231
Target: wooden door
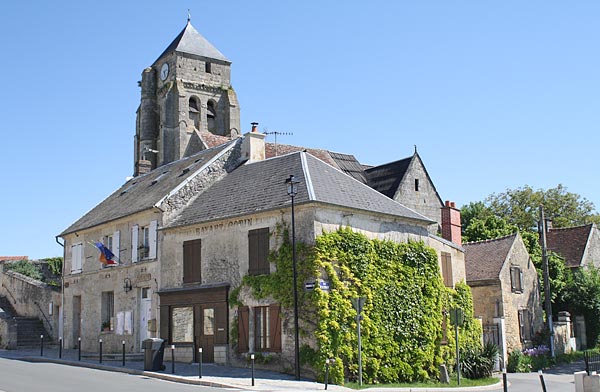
204 332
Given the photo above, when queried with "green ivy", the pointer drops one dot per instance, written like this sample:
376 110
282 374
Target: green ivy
401 329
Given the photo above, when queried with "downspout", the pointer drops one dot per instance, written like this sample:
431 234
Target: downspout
61 322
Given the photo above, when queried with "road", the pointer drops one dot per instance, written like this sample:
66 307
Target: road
19 376
530 382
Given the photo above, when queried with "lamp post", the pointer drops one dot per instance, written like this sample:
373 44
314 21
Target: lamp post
292 191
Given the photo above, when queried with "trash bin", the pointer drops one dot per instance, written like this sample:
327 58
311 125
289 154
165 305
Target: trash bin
154 349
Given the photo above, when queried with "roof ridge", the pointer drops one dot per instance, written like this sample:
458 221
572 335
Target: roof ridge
571 227
491 239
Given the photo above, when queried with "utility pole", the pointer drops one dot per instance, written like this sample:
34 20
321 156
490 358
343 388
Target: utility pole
546 273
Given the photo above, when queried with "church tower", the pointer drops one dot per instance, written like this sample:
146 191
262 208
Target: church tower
186 95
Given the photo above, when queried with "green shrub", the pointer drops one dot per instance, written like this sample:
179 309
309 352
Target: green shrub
478 363
26 268
518 362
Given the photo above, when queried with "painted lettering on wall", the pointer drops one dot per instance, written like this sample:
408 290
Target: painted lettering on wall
225 225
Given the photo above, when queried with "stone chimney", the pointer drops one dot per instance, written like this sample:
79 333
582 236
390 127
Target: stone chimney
143 167
451 226
253 145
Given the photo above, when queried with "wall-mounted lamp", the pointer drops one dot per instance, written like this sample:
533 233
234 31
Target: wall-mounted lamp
127 285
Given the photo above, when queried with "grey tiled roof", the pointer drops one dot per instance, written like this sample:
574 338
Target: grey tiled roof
192 42
143 192
260 186
484 259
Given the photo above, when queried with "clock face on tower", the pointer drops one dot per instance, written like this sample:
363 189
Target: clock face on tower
164 71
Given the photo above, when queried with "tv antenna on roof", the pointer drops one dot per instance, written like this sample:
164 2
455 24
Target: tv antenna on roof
267 132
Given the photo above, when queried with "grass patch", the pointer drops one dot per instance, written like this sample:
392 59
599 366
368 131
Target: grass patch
464 382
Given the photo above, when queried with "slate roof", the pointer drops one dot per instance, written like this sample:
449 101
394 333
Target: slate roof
143 192
570 243
260 186
386 178
484 259
350 165
192 42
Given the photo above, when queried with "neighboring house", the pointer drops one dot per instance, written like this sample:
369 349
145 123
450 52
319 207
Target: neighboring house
204 210
505 289
580 247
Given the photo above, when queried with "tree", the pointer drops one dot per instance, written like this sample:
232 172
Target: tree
583 296
520 207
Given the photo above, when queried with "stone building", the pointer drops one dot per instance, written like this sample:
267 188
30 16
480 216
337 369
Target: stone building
580 247
204 209
505 289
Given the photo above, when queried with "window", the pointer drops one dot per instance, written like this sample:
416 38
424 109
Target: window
76 258
192 261
516 278
108 242
416 184
267 328
111 242
211 114
447 269
208 322
145 238
182 324
525 325
258 251
194 112
108 309
207 67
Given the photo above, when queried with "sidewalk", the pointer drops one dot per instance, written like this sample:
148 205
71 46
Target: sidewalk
212 375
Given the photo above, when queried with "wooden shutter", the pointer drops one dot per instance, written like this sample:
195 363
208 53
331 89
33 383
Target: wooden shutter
165 316
192 261
134 243
152 239
221 323
258 251
252 252
243 338
275 328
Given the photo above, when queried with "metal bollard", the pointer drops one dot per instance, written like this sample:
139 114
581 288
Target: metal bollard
100 348
504 382
326 373
123 352
542 380
60 348
172 359
79 348
41 345
252 359
200 362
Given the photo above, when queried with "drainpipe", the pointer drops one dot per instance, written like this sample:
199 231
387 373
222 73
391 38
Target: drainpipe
61 313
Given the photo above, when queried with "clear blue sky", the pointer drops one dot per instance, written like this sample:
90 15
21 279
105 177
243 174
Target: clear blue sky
495 95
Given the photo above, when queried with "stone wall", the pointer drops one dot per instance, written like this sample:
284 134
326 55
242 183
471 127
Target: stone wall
32 298
425 201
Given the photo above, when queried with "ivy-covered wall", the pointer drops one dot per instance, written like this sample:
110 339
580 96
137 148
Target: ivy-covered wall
403 316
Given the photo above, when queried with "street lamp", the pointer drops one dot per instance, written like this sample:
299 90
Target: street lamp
292 191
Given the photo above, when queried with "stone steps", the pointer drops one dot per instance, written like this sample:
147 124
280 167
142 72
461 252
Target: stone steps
29 331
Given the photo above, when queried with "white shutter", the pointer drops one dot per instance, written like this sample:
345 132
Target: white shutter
152 239
134 243
76 256
116 245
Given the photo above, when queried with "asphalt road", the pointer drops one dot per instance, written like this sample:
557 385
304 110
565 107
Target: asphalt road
530 382
19 376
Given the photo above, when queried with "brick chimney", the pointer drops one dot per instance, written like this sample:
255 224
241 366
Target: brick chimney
451 226
253 145
143 167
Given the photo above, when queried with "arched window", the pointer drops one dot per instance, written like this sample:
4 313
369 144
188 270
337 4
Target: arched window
194 112
211 115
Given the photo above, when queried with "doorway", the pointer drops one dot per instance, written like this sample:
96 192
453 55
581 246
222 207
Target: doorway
145 313
204 333
76 321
